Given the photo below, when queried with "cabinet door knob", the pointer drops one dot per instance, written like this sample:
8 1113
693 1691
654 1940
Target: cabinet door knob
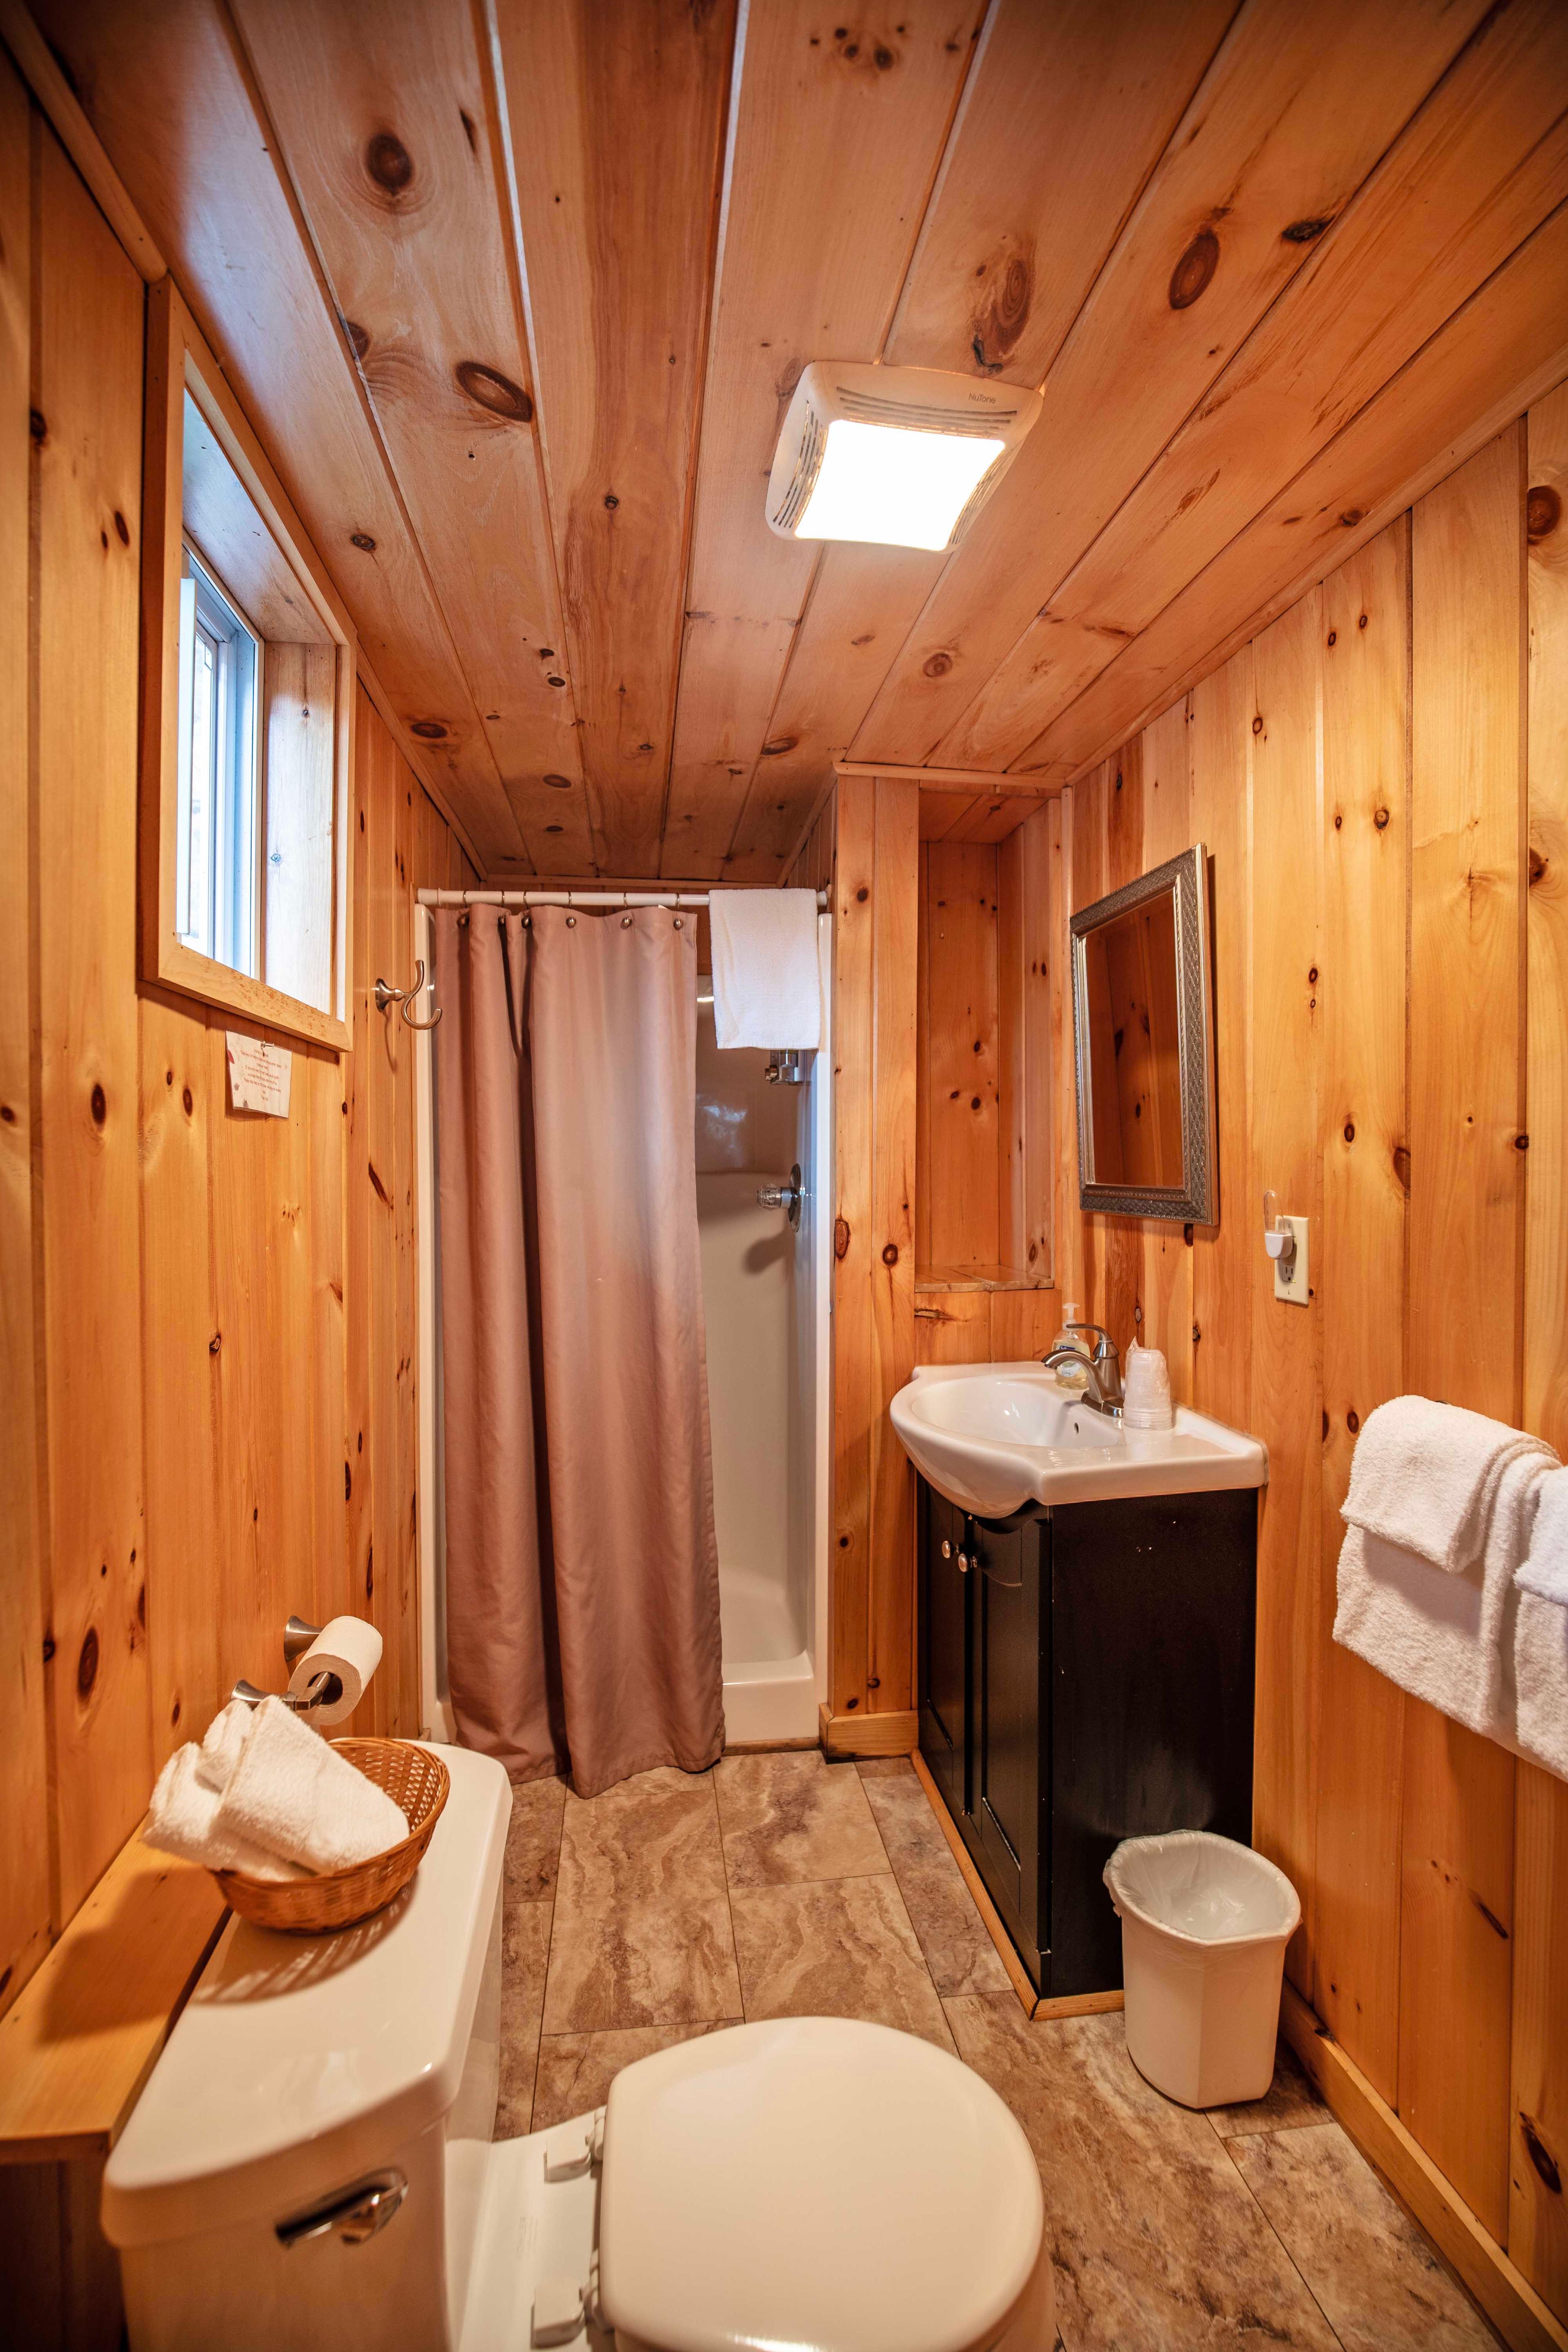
946 1548
964 1562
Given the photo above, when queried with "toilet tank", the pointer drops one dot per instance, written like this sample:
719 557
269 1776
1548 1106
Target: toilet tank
313 2141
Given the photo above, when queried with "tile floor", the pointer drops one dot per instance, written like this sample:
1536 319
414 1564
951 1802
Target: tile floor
782 1885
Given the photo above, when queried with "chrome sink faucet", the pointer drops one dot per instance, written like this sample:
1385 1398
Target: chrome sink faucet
1102 1370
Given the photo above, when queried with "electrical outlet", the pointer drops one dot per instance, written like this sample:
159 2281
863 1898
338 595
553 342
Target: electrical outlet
1293 1290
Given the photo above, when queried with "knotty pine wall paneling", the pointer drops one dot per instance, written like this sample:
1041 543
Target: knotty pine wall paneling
24 1851
217 1309
1379 779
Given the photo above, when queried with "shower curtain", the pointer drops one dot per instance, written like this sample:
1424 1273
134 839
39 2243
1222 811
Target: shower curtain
582 1568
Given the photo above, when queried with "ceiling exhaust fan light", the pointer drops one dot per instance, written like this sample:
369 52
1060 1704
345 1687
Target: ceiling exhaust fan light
892 457
894 487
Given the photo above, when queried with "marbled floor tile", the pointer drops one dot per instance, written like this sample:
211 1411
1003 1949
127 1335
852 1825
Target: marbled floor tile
642 1914
1156 2242
1290 2102
575 2070
525 1956
1365 2260
834 1948
955 1940
533 1839
791 1817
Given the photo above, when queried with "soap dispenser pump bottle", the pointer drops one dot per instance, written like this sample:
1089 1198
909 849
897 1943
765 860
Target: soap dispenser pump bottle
1068 1375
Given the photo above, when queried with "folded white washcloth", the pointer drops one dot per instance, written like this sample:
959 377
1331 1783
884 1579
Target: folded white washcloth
183 1819
297 1797
1545 1572
767 989
219 1751
1444 1638
1425 1476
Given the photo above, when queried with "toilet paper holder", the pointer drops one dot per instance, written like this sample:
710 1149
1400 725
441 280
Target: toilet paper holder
325 1689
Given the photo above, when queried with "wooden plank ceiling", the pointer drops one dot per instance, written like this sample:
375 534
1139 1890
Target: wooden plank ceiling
516 292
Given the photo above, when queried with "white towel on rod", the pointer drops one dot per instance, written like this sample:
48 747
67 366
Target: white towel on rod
1424 1476
1446 1638
766 988
1545 1572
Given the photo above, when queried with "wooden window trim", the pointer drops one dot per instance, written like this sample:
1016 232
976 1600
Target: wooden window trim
178 360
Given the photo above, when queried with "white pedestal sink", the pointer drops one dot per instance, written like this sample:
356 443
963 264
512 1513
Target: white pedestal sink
992 1437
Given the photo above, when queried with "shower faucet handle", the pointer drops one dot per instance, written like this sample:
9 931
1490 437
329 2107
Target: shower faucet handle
783 1196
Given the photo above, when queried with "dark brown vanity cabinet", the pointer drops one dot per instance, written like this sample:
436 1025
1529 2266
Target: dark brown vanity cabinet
1086 1675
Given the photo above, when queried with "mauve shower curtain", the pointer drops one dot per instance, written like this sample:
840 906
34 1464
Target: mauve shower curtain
581 1570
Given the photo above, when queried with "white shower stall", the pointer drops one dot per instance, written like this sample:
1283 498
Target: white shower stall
766 1285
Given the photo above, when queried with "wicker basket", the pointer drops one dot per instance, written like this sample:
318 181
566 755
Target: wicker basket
413 1779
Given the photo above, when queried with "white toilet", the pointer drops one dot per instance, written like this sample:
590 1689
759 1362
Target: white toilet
311 2165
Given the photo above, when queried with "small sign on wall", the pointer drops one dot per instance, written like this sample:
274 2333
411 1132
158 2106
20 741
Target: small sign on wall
258 1074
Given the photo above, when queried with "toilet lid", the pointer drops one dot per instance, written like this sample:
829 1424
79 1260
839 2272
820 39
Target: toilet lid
814 2183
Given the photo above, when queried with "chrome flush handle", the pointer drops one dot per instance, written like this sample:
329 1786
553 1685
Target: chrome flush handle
356 2214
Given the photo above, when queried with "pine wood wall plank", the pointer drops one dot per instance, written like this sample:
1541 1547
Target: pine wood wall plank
387 1045
1224 1254
1031 884
170 94
405 1324
1537 2227
895 959
326 1077
388 129
952 1327
24 1854
1360 1263
853 1046
821 132
1286 1371
359 1202
1067 1234
87 310
618 114
1290 117
180 1374
1489 152
1465 1338
962 1045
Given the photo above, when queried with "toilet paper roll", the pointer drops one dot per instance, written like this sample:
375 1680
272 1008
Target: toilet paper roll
347 1647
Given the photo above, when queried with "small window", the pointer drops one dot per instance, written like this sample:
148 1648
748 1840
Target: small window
220 671
248 678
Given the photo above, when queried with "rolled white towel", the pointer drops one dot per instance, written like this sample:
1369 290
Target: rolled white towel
1544 1572
1425 1476
291 1793
181 1818
219 1751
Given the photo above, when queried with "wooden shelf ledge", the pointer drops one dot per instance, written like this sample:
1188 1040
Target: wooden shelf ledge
83 2034
979 1277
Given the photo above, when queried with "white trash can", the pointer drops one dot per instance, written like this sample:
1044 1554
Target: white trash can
1205 1923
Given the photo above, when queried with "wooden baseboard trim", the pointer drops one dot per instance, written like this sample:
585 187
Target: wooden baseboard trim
771 1746
868 1735
1080 2004
1509 2302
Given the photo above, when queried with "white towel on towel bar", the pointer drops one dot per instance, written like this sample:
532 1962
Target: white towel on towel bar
766 988
1545 1572
1424 1476
1446 1638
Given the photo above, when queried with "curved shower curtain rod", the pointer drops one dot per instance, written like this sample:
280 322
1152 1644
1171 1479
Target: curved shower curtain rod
572 898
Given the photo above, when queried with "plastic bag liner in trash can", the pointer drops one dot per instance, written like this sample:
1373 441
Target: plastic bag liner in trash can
1205 1923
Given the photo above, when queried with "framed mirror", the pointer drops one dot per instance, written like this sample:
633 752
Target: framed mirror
1143 1036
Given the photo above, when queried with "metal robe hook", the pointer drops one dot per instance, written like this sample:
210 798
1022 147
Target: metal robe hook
404 997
